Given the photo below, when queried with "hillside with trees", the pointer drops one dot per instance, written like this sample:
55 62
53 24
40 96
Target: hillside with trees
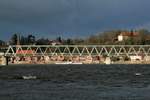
111 38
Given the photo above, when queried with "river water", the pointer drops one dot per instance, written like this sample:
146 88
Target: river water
75 82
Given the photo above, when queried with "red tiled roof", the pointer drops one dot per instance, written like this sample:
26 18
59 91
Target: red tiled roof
129 33
24 51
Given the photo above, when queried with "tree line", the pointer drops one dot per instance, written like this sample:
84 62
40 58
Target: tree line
31 40
103 38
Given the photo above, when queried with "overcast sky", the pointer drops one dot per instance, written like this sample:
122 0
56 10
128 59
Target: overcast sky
71 18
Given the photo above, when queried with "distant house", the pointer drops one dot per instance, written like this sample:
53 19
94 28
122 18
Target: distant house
136 58
55 43
25 51
125 35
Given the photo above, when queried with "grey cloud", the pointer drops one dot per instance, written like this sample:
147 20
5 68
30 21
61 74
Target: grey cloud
71 16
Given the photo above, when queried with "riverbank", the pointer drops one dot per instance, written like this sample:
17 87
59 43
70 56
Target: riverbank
73 60
131 62
79 63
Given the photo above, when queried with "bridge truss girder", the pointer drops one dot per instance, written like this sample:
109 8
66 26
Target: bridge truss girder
80 50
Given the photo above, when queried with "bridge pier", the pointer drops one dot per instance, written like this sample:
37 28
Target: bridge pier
3 60
107 60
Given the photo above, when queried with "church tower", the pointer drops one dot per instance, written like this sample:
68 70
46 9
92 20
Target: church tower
18 39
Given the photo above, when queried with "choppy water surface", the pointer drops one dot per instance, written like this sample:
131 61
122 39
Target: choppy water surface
75 82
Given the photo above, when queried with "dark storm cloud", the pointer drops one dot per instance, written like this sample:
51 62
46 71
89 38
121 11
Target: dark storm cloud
71 17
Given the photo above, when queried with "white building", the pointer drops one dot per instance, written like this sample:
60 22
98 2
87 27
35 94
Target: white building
135 58
125 35
120 37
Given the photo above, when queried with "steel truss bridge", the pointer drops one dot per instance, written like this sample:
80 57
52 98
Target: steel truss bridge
79 50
